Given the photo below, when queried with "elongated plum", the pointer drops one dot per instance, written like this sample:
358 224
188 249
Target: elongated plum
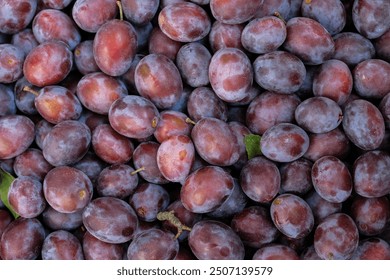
114 51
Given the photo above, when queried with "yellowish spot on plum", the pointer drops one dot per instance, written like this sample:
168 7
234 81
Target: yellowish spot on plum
141 211
82 194
308 1
179 122
226 58
4 145
52 105
277 201
330 256
154 122
182 154
144 70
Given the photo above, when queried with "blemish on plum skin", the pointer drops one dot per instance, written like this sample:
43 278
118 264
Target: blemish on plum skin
127 231
225 251
144 70
278 201
234 83
182 154
154 122
82 194
330 256
141 211
24 8
228 58
295 78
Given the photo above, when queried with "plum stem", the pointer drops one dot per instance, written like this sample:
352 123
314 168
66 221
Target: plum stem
170 217
119 4
30 90
278 15
188 120
137 171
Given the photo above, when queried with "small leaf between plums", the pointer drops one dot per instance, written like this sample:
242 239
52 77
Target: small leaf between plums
6 180
252 145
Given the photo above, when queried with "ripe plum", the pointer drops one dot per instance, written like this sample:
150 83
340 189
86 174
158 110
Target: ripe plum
214 240
110 220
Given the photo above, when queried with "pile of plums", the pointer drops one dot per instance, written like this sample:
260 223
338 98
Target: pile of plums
127 126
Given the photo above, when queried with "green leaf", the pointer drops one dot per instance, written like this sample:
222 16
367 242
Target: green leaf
252 145
6 180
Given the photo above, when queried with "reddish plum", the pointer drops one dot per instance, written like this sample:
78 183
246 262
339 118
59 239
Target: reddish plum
184 22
